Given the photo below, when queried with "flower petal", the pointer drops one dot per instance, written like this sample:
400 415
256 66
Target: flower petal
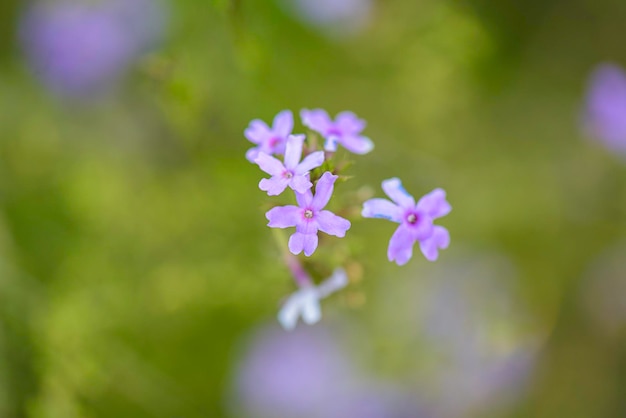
257 132
311 311
316 119
349 124
393 188
283 123
434 204
300 241
288 314
252 154
401 246
440 239
269 164
332 224
323 190
383 209
293 151
274 186
300 184
283 216
357 144
310 162
304 199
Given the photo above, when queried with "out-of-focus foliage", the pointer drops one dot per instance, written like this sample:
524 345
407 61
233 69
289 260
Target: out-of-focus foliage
134 258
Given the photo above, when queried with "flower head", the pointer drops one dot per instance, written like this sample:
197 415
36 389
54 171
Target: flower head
306 301
416 221
269 140
605 116
308 217
293 173
345 130
81 50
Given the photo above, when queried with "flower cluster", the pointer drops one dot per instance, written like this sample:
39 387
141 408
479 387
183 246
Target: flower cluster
311 175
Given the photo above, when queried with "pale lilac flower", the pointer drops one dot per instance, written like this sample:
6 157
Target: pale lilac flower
416 221
308 217
345 130
81 50
269 140
305 302
605 117
293 172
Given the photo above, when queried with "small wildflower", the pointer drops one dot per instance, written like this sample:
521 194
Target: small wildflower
345 130
605 117
308 217
269 140
305 302
292 173
416 221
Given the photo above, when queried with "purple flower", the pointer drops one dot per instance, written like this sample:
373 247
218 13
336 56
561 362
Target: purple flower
605 116
81 50
292 173
416 221
308 217
345 130
269 140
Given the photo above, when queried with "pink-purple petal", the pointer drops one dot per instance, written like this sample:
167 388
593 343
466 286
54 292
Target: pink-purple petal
434 204
382 208
422 229
323 190
317 120
300 184
293 151
299 242
283 123
393 188
400 247
257 132
284 216
332 224
269 164
310 162
349 123
357 144
274 186
252 154
440 239
304 199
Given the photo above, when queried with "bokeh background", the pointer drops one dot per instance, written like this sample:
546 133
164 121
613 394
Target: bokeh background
138 278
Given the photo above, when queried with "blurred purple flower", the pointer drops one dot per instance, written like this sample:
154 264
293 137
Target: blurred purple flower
345 130
80 49
293 172
308 217
416 221
308 374
605 113
269 140
295 374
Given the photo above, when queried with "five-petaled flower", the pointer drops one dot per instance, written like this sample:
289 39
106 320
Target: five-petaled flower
269 140
345 130
305 302
416 221
308 217
292 173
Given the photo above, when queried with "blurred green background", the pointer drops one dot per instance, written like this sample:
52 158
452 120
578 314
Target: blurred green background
134 256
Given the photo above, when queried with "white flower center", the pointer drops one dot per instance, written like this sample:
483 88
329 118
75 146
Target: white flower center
411 218
308 213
